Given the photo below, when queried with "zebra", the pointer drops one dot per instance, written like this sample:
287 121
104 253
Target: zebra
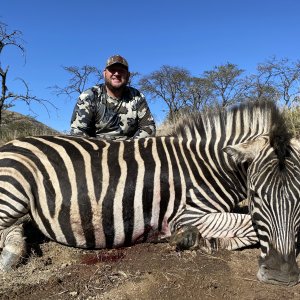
183 188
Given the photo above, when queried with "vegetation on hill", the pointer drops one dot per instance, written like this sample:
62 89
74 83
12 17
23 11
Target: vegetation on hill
16 125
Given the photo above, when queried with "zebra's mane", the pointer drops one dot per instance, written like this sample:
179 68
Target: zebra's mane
237 124
280 137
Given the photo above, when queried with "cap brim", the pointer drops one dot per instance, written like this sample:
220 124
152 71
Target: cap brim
117 63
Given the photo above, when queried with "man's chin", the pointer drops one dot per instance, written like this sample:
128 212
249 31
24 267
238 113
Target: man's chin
116 85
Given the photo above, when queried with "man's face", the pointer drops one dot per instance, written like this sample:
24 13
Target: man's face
116 76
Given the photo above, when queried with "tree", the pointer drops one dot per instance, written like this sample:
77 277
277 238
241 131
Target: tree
226 83
80 79
199 93
8 97
169 84
260 87
183 92
285 77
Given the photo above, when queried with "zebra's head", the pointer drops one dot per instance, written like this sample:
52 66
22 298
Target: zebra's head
273 188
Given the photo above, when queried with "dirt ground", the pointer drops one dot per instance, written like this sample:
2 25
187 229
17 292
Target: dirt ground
144 271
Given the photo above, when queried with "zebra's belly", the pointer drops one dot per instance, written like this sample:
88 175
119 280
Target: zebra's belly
96 236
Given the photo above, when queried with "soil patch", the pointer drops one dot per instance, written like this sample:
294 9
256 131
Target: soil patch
144 271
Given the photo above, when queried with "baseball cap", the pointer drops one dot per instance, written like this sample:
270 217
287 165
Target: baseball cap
117 59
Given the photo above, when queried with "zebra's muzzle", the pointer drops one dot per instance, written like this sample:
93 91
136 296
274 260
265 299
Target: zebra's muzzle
278 269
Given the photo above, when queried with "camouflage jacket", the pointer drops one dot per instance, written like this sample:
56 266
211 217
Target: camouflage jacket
98 115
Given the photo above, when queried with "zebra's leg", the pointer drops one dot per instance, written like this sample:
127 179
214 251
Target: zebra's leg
13 213
215 230
13 247
186 237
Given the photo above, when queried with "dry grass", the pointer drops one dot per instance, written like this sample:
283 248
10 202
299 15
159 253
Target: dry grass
15 125
292 116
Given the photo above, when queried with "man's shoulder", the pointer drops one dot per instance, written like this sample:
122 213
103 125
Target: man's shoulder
97 89
92 92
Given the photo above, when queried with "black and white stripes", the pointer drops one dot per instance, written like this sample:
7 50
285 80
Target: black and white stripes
92 193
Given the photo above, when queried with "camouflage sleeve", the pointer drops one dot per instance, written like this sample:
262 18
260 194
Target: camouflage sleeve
82 121
146 124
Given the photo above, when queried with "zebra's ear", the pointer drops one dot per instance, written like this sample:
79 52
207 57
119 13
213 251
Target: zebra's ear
245 152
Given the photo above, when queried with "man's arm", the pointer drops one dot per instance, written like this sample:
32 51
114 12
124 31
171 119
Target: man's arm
146 124
83 121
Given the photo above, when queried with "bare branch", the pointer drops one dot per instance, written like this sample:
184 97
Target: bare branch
11 39
169 84
283 76
80 78
226 83
28 99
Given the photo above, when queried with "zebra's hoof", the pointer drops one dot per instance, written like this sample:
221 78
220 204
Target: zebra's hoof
210 245
11 256
8 260
186 238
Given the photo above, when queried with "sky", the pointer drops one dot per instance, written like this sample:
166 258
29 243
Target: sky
193 34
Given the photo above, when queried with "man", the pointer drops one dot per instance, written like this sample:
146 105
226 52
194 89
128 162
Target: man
113 110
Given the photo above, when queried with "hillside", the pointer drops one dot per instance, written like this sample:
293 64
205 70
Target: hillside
17 125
